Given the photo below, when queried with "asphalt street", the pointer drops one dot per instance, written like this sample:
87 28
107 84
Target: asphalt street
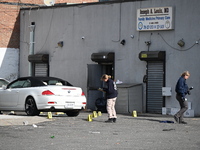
144 132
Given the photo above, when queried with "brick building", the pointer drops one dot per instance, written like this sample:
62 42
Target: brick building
10 32
9 16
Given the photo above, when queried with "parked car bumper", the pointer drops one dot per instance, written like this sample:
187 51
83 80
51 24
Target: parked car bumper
56 103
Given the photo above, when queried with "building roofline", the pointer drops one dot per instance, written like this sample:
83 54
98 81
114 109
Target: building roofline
79 4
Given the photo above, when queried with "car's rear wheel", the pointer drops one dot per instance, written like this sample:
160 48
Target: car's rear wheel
72 113
30 107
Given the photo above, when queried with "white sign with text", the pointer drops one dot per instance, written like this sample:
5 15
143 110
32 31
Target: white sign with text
156 18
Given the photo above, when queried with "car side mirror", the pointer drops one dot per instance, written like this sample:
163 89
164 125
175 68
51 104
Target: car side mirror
4 87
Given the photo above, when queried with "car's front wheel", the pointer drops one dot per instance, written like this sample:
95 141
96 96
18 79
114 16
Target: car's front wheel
72 113
30 107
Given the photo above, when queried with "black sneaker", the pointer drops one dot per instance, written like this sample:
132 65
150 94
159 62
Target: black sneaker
176 119
114 120
110 120
183 122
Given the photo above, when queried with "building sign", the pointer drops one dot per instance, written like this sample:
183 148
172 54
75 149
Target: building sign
157 18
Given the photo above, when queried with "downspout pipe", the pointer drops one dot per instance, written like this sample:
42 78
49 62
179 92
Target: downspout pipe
31 46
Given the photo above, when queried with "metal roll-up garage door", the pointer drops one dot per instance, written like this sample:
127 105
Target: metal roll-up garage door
41 69
155 83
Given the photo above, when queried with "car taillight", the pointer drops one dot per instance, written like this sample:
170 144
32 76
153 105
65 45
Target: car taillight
52 103
47 93
83 94
84 103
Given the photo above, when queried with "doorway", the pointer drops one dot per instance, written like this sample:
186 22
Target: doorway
105 65
155 82
155 72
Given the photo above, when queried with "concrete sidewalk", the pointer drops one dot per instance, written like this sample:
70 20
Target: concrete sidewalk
20 118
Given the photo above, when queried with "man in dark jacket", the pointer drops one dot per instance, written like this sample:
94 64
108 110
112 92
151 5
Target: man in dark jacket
181 92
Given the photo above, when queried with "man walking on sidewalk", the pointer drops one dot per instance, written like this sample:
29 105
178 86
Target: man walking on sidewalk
181 92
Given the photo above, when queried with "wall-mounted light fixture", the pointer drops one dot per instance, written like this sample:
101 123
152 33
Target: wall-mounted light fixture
181 43
60 44
148 43
123 42
132 36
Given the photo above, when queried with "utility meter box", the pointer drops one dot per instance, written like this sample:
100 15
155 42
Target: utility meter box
166 91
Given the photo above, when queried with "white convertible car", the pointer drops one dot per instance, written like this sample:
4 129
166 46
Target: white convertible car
41 94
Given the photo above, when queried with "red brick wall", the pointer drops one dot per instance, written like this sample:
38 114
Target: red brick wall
9 20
